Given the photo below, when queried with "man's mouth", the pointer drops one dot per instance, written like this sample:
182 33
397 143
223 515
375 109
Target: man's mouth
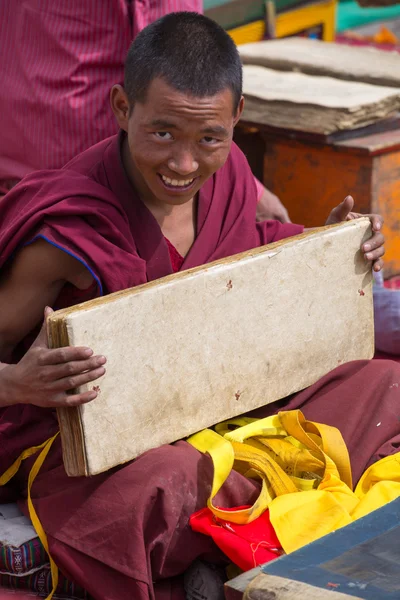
177 185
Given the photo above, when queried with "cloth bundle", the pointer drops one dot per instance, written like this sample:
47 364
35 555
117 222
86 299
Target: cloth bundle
306 481
387 314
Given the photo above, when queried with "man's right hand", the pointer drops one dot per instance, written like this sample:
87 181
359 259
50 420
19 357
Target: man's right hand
44 377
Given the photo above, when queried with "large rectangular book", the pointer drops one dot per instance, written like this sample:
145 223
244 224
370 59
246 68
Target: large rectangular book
204 345
320 105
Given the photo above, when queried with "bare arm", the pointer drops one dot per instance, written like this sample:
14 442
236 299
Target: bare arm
270 207
43 376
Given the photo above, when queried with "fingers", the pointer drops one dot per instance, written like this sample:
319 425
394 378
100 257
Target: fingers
78 399
375 254
376 222
41 340
76 381
374 248
378 265
47 312
375 242
70 369
341 212
283 216
63 355
348 203
70 400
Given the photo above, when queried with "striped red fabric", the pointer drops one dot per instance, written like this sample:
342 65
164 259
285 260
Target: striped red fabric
146 11
58 62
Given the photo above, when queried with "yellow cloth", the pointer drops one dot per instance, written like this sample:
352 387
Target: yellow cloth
11 471
305 472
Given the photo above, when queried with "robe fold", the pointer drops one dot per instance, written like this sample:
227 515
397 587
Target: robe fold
125 534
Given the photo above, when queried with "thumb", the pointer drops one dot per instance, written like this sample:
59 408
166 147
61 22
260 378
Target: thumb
341 212
41 340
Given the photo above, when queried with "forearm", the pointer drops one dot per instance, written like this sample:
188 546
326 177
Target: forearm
6 391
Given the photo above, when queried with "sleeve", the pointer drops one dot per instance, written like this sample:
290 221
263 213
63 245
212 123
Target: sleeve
273 231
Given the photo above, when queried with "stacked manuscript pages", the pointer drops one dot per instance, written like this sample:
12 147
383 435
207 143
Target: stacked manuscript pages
320 105
315 57
204 345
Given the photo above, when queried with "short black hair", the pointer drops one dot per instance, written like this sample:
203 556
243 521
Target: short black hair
192 53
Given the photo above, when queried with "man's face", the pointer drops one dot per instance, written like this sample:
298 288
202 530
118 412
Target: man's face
177 141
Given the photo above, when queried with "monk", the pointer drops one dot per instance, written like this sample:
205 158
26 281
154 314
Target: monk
79 52
169 192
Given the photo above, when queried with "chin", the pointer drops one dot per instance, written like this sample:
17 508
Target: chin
177 201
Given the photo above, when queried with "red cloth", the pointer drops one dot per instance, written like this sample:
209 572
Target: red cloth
58 63
247 546
393 283
352 41
176 259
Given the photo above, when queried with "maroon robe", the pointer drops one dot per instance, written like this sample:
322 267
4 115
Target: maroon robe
124 534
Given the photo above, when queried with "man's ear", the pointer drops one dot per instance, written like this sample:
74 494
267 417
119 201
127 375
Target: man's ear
239 111
120 106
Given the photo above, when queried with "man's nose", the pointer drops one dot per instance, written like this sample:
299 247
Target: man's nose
183 163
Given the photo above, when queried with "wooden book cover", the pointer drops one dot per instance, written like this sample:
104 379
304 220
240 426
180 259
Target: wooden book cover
200 346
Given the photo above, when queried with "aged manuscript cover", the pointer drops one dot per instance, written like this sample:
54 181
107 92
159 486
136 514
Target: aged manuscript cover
197 347
314 57
321 105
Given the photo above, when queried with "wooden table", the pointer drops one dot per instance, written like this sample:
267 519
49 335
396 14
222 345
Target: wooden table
312 174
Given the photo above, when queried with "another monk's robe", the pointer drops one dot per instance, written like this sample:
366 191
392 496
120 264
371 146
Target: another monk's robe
124 534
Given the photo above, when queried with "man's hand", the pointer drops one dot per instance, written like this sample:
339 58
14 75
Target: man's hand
373 248
270 207
43 377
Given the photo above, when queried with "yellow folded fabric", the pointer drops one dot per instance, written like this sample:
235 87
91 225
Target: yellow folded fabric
305 472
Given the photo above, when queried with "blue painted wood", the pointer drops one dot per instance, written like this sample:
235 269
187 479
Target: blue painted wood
362 558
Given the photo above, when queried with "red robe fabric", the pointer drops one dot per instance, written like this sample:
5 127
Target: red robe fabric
125 534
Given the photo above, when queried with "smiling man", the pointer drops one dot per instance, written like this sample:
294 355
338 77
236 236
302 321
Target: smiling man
170 192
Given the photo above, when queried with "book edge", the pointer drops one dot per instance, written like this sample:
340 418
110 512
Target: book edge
69 418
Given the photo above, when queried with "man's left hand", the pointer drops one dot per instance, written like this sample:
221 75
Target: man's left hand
373 249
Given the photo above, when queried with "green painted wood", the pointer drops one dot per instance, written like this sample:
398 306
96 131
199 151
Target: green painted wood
234 13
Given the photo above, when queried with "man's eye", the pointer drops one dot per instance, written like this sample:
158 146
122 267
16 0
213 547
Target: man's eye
163 135
209 140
